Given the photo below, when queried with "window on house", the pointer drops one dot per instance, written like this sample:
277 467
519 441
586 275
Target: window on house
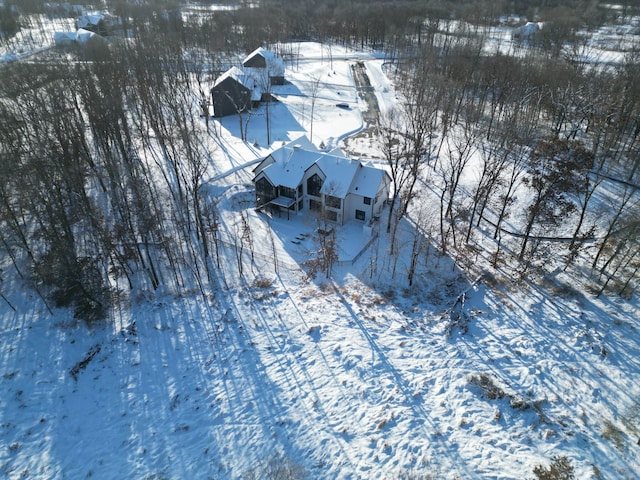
287 192
360 215
300 190
314 184
367 200
331 215
265 192
332 202
315 205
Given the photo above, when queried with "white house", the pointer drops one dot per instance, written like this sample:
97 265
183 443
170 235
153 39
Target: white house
298 177
266 63
80 36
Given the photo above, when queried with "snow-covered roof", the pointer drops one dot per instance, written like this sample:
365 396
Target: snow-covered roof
245 78
367 181
80 36
529 29
263 52
64 37
340 173
343 175
275 64
90 19
259 75
289 166
83 36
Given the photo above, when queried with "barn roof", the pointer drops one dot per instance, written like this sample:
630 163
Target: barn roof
243 77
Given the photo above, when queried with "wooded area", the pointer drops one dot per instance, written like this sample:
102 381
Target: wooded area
102 161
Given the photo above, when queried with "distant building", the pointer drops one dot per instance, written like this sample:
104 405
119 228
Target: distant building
98 22
234 91
241 88
299 177
62 39
528 31
268 62
80 36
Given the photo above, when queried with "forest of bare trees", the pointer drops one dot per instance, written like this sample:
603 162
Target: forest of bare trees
102 161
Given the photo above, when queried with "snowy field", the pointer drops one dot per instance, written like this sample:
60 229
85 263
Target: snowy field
355 377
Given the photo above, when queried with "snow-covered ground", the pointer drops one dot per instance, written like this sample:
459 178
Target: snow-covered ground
35 35
359 376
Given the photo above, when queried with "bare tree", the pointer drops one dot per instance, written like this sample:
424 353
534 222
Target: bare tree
554 172
314 90
450 166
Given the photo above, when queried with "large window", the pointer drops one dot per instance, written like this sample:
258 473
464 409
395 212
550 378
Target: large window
315 205
265 192
332 202
360 215
287 192
314 184
331 215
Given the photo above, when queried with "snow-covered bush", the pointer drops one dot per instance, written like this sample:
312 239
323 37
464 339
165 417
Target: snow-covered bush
278 467
560 469
488 386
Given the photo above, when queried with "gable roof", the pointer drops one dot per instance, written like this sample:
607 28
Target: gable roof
289 170
244 78
368 181
287 165
90 19
340 173
83 36
80 36
275 64
93 19
64 37
263 52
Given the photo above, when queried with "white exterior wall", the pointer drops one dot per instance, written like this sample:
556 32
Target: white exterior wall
382 196
356 202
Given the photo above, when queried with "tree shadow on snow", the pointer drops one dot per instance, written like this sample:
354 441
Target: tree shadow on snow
254 125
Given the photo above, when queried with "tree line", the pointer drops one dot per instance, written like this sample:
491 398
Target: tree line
102 167
102 159
557 148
